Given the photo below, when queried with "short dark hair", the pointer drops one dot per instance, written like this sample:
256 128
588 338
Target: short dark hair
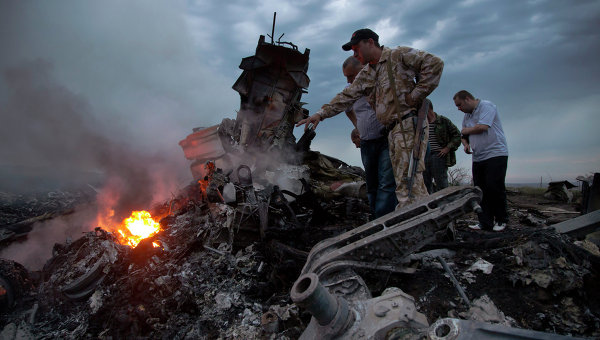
375 42
463 94
430 105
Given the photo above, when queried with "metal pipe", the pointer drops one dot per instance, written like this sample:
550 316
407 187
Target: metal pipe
476 207
461 292
273 30
309 293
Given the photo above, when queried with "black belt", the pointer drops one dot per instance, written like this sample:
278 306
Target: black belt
381 138
390 126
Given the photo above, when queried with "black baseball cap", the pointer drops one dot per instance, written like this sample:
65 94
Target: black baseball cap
361 34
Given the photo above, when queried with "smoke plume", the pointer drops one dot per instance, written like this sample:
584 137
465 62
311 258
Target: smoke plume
100 90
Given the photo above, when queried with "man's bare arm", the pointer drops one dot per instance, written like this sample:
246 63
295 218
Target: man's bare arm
466 146
314 119
352 116
477 129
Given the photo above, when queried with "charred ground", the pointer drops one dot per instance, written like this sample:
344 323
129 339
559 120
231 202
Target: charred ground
213 279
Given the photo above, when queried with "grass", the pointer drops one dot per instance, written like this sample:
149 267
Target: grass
529 191
539 192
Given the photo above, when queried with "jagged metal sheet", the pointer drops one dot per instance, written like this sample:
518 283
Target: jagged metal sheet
381 243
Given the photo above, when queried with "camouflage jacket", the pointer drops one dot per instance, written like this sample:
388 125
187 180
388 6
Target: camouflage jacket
373 81
448 136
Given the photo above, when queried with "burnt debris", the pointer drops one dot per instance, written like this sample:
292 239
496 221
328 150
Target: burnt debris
219 272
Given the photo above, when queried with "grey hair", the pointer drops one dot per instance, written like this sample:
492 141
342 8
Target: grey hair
351 61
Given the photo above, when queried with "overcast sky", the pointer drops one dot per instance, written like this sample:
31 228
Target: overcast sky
142 74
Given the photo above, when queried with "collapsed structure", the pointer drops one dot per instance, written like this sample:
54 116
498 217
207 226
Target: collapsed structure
270 88
269 225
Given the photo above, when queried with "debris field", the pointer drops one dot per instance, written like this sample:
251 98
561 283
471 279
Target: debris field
215 276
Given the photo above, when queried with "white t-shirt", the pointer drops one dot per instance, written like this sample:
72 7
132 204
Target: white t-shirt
491 143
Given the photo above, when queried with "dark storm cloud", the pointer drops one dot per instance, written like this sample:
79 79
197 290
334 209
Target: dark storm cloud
150 63
534 59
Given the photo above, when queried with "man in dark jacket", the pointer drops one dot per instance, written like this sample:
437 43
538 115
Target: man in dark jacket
444 140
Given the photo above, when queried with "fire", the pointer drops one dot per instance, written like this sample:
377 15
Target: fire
137 227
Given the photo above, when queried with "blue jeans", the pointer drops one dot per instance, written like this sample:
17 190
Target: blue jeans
381 186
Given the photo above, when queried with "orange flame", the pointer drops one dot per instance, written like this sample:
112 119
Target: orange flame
137 227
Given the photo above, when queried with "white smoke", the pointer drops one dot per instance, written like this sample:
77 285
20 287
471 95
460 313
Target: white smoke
108 87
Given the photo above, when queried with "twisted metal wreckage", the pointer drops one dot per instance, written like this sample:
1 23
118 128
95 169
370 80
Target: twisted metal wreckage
255 183
340 300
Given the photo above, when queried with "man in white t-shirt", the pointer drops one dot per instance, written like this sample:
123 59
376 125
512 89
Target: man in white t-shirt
483 137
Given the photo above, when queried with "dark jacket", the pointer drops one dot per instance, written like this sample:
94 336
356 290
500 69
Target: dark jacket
448 135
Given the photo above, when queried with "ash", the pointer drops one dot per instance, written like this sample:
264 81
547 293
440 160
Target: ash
215 276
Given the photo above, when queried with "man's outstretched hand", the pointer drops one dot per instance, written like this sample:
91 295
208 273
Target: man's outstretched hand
315 119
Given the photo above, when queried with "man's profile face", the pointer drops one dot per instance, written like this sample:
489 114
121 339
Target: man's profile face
464 105
361 51
430 115
350 73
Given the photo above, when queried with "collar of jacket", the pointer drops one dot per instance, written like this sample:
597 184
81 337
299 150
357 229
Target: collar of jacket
385 55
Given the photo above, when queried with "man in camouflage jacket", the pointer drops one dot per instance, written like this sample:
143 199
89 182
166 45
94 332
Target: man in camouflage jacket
444 140
415 74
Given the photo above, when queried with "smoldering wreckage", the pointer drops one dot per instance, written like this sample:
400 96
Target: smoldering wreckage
272 240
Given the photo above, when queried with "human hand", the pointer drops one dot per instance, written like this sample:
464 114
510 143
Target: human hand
314 119
443 152
355 137
468 149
